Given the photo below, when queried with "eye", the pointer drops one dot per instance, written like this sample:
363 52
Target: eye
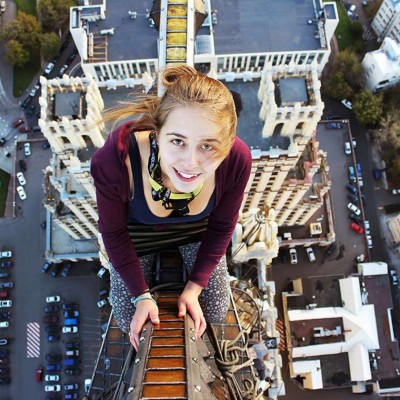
207 147
177 142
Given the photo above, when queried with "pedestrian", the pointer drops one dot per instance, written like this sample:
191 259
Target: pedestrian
173 177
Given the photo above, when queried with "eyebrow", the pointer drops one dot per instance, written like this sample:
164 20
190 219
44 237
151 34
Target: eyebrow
184 137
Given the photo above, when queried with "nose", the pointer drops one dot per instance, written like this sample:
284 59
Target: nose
191 158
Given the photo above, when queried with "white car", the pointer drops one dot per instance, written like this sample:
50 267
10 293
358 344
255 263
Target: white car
34 90
21 178
49 68
367 227
6 254
311 254
52 378
27 149
52 388
293 256
21 192
354 209
395 191
5 303
4 324
88 383
395 278
101 272
102 303
347 104
369 241
70 329
347 148
53 299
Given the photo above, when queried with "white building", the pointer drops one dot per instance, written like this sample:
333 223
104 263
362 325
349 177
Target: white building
386 22
382 67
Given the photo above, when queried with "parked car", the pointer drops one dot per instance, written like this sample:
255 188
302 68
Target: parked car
39 373
21 178
53 358
367 227
6 285
88 383
353 208
53 367
70 329
5 303
56 269
22 165
72 353
395 191
72 371
51 309
347 103
52 388
101 303
34 90
71 321
46 266
53 338
347 148
51 378
53 299
352 175
395 277
71 386
6 254
21 192
353 198
103 292
4 324
355 218
356 228
310 254
369 241
50 319
62 70
376 174
5 380
48 69
4 293
6 264
72 345
71 361
52 329
27 149
330 250
102 271
71 396
25 129
293 256
70 306
17 122
71 314
334 125
4 352
65 270
5 315
4 342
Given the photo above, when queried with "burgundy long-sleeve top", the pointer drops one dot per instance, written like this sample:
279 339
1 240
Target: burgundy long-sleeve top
113 193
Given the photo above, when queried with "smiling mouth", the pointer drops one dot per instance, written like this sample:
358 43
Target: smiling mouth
186 176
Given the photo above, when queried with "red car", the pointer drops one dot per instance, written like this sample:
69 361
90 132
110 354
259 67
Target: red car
3 294
50 319
39 373
25 129
356 228
17 122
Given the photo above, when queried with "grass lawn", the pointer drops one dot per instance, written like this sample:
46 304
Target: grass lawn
4 180
23 76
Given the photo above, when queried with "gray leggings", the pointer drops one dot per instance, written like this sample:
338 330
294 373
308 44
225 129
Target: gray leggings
213 300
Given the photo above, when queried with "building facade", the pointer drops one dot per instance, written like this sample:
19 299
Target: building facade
386 22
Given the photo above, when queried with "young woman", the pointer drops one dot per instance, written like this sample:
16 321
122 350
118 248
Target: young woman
173 177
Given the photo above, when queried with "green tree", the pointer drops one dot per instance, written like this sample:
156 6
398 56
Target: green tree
348 63
54 14
368 107
25 29
16 54
50 44
337 86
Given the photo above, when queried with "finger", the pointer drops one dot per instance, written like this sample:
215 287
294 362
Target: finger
196 321
203 325
154 317
134 340
182 310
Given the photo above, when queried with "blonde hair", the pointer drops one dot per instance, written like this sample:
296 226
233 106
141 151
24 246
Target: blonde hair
184 87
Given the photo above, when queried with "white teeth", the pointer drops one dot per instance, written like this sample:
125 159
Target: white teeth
186 175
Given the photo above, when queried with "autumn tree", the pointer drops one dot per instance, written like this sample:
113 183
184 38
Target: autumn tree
337 86
368 107
15 53
50 44
54 14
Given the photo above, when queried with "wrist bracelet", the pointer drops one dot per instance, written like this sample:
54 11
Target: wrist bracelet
143 296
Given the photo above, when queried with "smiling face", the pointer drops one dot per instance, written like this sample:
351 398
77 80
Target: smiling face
187 143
